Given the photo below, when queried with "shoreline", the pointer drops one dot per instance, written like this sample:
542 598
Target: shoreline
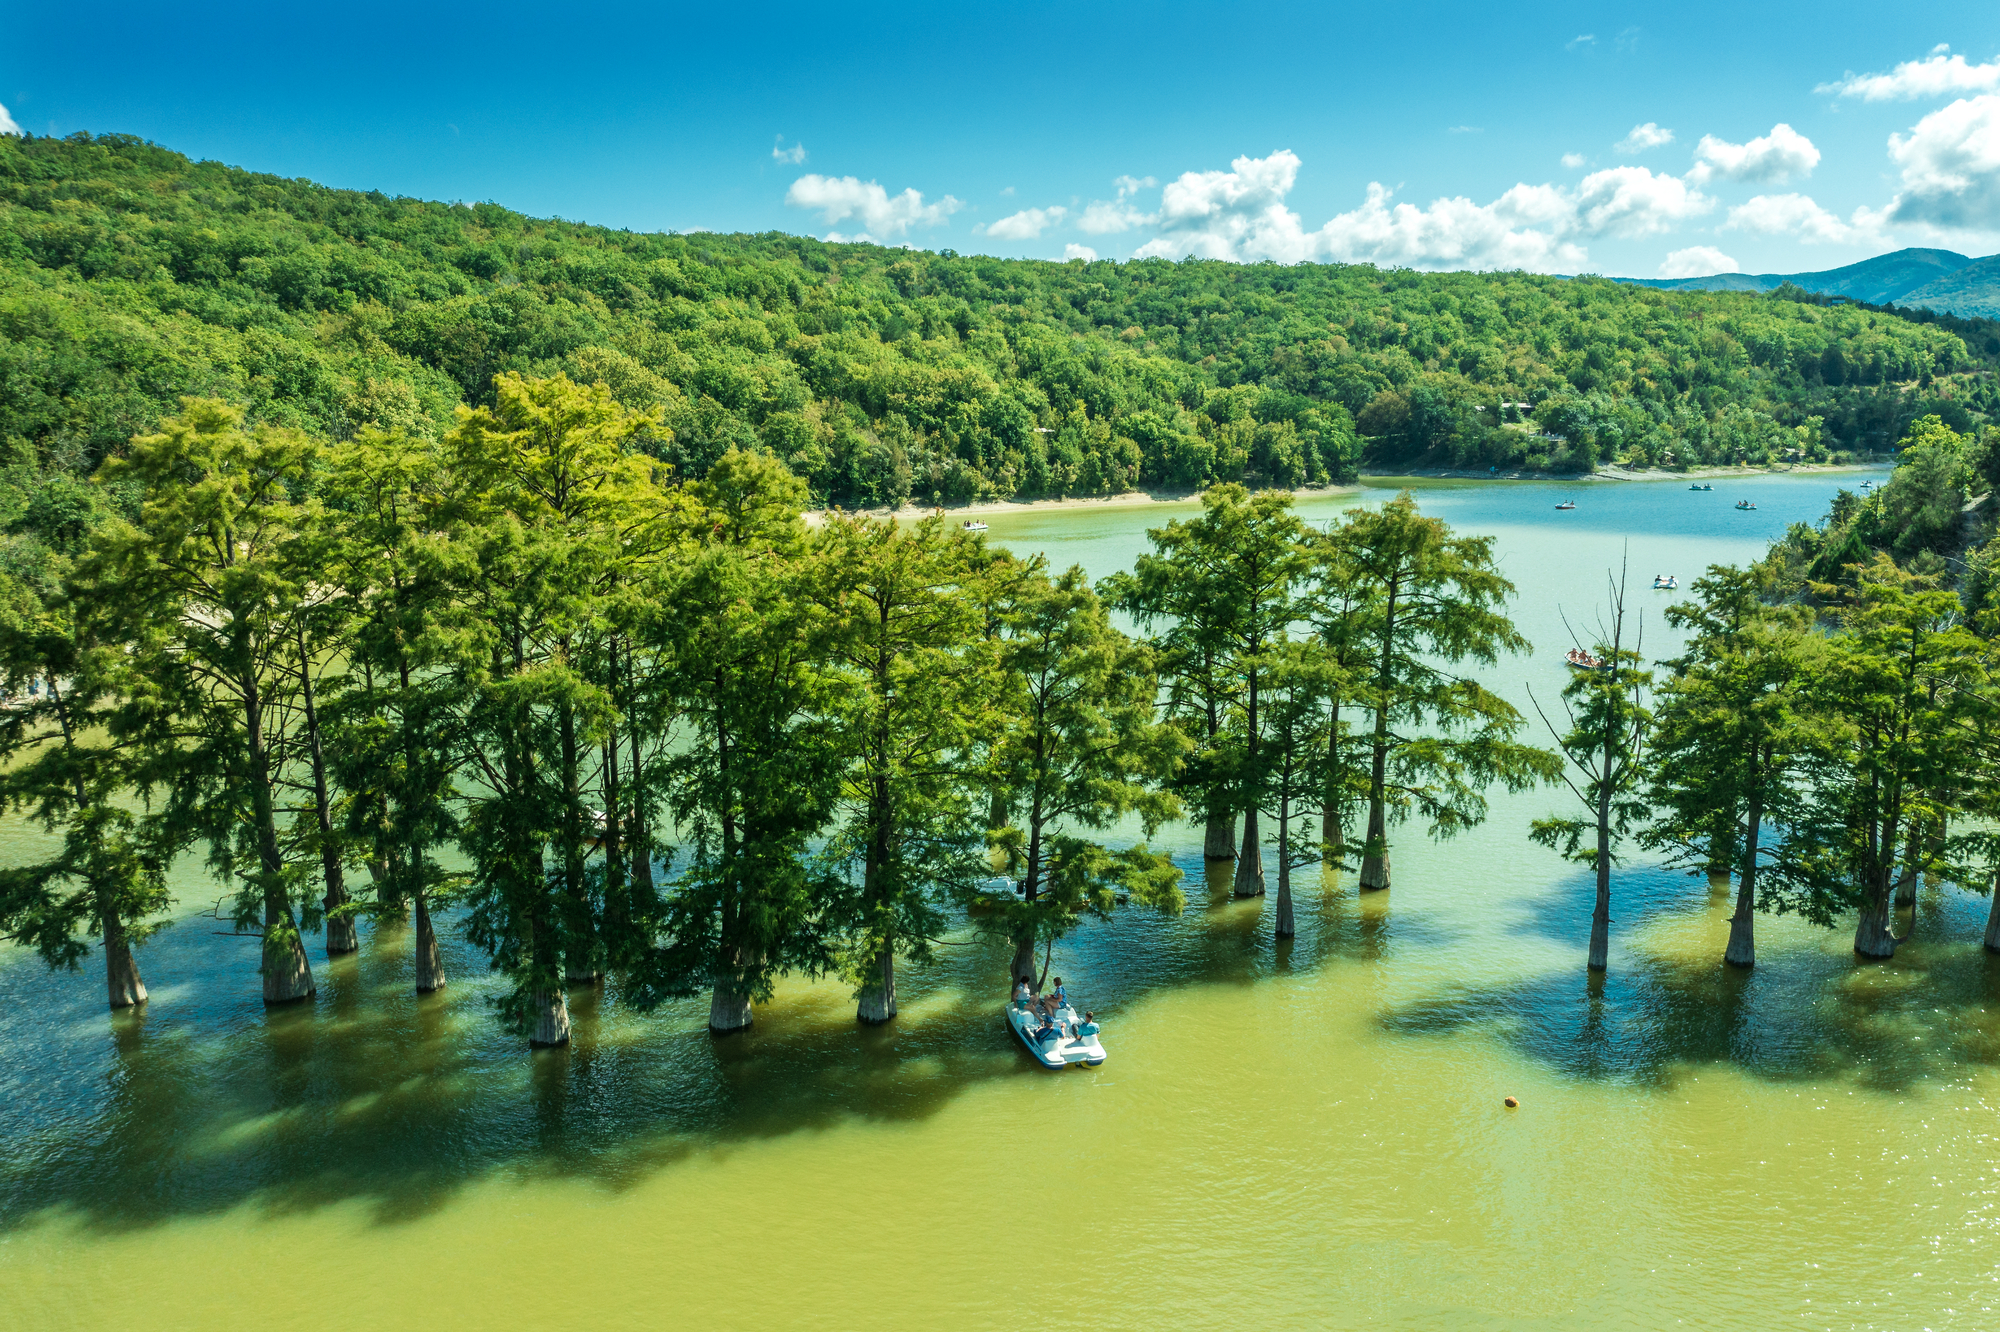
1133 498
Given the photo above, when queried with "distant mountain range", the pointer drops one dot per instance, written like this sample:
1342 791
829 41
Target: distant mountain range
1935 279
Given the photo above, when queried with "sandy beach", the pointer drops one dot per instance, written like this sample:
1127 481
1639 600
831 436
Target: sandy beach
981 508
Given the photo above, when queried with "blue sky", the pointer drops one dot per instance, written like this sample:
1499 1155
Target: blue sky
1636 140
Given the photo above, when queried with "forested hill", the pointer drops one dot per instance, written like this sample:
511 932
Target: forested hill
130 276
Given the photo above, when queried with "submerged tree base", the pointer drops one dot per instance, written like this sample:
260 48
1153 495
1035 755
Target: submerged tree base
342 938
728 1011
551 1022
1219 843
430 966
288 977
877 1004
121 976
1872 936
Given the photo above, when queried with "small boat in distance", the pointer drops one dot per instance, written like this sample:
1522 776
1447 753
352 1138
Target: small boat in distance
1745 504
1567 504
1578 659
973 525
1695 487
1666 582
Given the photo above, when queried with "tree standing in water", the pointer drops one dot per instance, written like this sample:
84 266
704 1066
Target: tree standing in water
1083 750
398 725
1306 684
1229 579
918 685
202 589
552 507
760 774
1727 742
1603 744
1898 678
63 764
1438 739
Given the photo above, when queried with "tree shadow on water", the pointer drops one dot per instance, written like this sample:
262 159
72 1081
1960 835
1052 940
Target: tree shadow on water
1809 1011
203 1101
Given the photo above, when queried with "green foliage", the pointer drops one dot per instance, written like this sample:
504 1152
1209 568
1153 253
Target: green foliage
130 276
1426 600
1080 746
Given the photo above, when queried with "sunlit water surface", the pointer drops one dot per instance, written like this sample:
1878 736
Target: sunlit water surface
1307 1134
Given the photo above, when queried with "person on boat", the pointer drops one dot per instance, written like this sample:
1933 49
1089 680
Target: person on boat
1046 1032
1022 992
1088 1027
1061 996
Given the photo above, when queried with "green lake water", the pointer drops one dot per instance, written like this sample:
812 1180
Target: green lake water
1308 1134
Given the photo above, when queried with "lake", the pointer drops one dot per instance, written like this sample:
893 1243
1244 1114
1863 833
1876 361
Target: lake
1298 1134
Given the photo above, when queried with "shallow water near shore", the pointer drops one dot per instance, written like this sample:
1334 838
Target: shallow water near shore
1306 1134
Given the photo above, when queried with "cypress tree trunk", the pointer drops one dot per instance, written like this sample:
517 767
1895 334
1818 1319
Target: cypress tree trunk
878 999
1250 861
1375 852
1906 885
1873 936
1600 918
121 969
430 966
1220 841
340 932
582 959
1022 968
639 835
1993 919
729 1005
1332 827
1285 922
551 1020
287 974
1742 950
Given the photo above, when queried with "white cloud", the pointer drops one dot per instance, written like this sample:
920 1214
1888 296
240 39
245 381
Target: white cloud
1581 39
1698 261
1574 160
1521 229
791 156
1466 129
7 125
1643 137
1938 76
1105 216
1083 252
838 198
1777 156
1794 215
1027 224
1951 167
1632 201
1241 214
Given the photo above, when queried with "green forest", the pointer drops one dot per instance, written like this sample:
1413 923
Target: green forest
398 559
131 277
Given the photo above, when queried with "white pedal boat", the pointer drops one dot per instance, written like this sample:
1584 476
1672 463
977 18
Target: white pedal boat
1061 1049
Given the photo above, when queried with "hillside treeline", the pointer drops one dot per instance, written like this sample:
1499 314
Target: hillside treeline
130 277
